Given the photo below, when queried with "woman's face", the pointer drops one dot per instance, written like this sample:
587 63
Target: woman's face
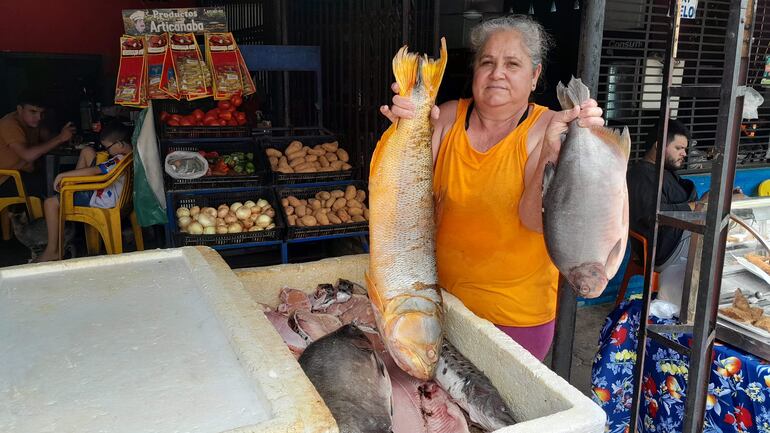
503 73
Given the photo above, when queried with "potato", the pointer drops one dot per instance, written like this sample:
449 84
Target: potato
300 210
337 193
298 222
350 192
346 166
339 203
293 147
317 151
343 216
331 157
303 201
329 202
285 169
354 203
311 158
273 161
297 154
343 155
336 165
360 195
358 218
325 195
293 201
289 210
283 161
284 202
333 218
293 163
309 220
306 169
331 147
315 204
323 219
353 211
366 214
323 161
273 153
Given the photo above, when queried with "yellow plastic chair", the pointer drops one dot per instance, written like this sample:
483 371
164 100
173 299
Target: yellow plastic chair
100 223
34 207
764 188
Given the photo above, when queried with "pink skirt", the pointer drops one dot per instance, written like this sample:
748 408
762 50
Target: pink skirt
536 339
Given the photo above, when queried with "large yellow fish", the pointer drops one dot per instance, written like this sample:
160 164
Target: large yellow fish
402 276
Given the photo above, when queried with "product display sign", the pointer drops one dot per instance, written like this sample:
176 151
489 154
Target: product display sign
182 20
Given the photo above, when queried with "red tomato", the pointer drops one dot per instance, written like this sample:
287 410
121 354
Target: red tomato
172 122
213 112
210 117
224 105
210 121
163 116
241 121
198 114
226 115
222 122
232 122
175 117
240 115
185 122
236 100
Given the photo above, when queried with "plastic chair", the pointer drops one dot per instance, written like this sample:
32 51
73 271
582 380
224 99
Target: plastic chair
101 223
764 188
34 207
636 266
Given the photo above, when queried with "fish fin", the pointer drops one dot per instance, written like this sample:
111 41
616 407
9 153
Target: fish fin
575 93
614 255
432 71
548 173
374 296
374 164
405 69
614 138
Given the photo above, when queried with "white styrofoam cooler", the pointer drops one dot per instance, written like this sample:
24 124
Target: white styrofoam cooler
541 400
157 341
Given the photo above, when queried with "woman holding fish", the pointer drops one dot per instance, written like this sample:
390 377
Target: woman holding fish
489 156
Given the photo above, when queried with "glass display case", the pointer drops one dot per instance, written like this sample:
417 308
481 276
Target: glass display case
744 319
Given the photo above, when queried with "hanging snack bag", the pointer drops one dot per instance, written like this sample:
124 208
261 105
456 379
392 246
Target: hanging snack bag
128 88
248 82
186 57
157 45
168 77
223 59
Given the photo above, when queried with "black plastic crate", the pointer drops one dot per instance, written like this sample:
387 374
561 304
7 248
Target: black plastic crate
295 232
261 176
215 199
280 139
185 132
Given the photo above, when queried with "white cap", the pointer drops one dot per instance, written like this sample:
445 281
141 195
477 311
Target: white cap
137 15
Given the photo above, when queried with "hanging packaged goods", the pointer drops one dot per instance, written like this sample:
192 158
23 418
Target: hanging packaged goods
131 88
157 47
192 76
222 58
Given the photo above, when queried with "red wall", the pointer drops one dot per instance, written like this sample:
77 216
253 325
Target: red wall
72 26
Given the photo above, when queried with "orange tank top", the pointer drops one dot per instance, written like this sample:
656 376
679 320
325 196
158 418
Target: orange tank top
497 267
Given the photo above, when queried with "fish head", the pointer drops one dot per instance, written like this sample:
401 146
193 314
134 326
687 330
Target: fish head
589 279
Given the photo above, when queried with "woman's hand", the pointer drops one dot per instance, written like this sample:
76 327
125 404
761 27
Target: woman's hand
588 114
403 108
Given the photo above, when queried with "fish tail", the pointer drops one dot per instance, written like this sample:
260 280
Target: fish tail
432 71
575 93
405 69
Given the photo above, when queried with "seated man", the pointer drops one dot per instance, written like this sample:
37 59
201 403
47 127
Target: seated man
19 147
677 194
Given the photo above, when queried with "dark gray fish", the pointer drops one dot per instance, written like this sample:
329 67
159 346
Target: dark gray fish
472 390
585 200
350 287
352 380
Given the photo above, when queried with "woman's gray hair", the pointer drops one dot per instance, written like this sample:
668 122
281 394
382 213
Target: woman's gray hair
535 38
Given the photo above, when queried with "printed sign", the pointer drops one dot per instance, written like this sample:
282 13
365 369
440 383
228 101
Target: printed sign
183 20
689 7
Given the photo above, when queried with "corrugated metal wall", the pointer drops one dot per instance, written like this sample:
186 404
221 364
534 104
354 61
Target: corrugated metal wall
634 38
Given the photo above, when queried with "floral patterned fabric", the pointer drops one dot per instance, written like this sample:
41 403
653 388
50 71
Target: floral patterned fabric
739 386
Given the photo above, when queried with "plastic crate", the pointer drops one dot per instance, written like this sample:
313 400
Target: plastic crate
216 199
295 232
281 138
187 132
261 176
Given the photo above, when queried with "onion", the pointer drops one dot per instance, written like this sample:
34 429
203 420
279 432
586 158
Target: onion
229 219
182 212
234 207
234 228
247 223
270 212
256 210
262 202
221 230
271 226
256 229
264 221
212 212
195 228
249 204
254 217
221 222
195 210
223 211
209 230
242 213
184 221
206 220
